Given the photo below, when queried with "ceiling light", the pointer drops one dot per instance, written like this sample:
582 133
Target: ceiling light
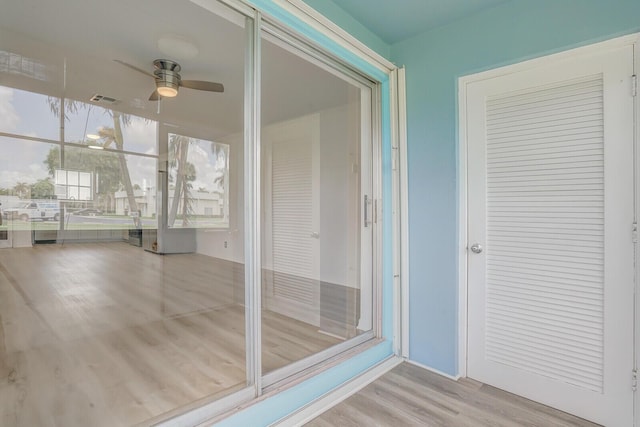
96 147
167 91
93 136
167 84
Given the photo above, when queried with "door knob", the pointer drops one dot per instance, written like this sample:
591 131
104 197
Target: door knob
476 248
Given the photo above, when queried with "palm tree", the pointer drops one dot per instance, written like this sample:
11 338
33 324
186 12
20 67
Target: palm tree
22 189
220 154
111 136
185 174
187 200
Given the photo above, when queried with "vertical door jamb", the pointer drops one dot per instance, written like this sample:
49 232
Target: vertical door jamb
252 196
636 183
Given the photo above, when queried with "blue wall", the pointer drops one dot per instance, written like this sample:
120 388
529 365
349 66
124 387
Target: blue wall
434 60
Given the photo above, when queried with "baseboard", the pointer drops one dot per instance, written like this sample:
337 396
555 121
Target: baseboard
329 400
435 371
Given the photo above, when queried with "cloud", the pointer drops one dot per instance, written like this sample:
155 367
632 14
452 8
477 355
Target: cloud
23 161
8 179
140 135
140 169
9 117
207 171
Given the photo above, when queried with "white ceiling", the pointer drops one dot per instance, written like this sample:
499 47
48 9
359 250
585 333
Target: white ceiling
77 41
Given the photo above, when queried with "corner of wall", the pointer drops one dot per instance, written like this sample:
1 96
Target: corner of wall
338 16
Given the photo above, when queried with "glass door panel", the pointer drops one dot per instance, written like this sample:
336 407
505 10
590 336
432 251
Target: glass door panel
121 319
315 137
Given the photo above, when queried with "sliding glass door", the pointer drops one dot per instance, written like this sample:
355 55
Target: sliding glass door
317 213
187 208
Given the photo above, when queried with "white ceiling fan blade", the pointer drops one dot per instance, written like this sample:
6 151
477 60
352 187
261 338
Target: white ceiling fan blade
154 96
202 85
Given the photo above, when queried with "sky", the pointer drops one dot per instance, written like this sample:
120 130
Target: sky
26 113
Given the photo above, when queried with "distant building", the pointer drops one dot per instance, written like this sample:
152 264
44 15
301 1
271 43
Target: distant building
207 204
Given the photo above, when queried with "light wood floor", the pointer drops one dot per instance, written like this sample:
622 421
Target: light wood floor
412 396
110 335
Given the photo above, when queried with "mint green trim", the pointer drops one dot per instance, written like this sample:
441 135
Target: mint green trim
269 8
277 407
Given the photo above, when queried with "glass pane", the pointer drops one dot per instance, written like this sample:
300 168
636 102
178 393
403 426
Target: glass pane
131 321
314 295
27 193
72 178
110 128
95 198
198 179
85 179
28 113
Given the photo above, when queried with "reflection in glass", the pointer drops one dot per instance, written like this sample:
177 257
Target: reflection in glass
118 319
28 113
95 186
27 192
314 177
109 128
198 179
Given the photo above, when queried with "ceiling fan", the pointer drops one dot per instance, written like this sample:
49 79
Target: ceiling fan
168 80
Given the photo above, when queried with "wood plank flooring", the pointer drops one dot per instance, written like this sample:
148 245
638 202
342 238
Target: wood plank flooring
105 334
412 396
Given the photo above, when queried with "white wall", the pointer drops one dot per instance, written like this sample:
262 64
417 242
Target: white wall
228 244
339 198
338 184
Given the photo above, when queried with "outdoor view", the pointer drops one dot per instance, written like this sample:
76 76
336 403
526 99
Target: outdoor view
122 274
198 171
104 174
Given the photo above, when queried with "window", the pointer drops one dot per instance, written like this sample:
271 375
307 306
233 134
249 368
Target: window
74 185
109 128
198 183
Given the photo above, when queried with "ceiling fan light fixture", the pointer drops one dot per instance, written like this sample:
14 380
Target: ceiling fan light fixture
167 78
167 91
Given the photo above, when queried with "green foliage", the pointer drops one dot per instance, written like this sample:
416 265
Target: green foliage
22 190
43 189
104 164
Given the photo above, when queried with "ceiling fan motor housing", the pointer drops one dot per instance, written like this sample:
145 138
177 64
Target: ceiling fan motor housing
167 74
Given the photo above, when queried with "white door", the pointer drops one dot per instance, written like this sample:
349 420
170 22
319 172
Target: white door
550 185
292 206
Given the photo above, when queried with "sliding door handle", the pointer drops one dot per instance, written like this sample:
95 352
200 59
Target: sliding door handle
366 210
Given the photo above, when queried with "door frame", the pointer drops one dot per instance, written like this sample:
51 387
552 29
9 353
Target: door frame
634 40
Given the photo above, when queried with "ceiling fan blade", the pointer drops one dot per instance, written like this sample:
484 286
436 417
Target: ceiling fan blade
154 96
133 67
202 85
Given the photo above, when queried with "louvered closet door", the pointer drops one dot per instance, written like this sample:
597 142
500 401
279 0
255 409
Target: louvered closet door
292 223
550 184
